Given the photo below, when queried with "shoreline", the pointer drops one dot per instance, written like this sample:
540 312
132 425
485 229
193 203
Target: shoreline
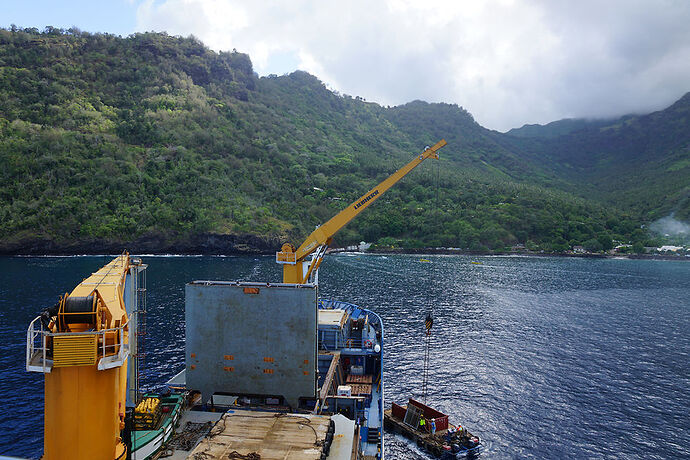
109 250
160 244
435 251
212 244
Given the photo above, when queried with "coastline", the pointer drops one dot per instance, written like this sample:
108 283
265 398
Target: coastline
204 244
445 251
236 245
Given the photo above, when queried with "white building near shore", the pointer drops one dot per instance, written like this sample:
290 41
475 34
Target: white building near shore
669 248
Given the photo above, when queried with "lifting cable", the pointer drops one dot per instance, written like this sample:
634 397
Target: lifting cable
427 342
429 321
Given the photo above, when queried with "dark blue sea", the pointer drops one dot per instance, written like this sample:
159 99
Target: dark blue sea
541 357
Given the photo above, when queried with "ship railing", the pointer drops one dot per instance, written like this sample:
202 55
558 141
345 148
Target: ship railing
355 311
36 349
107 348
358 343
113 354
337 342
351 309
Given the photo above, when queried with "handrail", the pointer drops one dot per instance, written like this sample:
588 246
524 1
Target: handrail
330 304
31 335
33 332
377 323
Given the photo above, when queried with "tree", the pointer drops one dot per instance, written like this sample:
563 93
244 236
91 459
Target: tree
593 245
605 241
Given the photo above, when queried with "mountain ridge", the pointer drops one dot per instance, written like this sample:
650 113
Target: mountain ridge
114 140
557 128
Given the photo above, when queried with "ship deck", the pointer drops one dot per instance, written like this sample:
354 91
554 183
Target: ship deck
344 420
271 435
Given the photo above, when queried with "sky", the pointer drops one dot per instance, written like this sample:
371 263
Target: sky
508 62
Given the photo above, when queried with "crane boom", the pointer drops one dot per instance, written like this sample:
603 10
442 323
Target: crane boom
293 260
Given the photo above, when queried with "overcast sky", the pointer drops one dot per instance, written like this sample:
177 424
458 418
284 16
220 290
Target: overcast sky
507 62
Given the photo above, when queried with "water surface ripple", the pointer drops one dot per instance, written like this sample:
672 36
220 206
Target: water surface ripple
542 357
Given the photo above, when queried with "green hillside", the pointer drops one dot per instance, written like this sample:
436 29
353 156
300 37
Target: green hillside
641 163
556 128
156 142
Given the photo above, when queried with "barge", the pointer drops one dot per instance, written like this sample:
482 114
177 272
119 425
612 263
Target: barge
430 429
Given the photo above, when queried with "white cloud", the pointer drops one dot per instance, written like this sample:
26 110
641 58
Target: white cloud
507 62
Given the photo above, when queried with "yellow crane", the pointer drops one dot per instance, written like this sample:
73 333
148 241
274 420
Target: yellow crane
296 268
82 346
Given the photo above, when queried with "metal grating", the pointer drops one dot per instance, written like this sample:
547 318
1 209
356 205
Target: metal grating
74 350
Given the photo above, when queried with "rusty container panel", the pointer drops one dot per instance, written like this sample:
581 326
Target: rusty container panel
251 338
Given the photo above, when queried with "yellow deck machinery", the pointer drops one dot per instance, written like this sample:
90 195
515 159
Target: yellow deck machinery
82 346
296 268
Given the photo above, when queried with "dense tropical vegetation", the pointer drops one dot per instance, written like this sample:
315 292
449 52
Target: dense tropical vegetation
111 141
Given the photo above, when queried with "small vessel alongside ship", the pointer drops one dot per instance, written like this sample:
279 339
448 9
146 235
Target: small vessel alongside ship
154 428
431 430
271 370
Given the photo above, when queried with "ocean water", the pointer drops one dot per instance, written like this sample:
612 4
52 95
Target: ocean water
541 357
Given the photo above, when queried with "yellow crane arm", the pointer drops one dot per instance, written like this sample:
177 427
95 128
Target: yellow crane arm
292 259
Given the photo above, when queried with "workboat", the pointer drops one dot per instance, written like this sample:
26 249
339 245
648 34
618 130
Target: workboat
155 420
431 430
271 370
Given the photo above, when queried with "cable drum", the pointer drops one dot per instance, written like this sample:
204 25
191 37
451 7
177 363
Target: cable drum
79 310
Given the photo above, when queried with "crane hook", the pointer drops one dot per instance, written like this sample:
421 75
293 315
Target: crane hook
428 323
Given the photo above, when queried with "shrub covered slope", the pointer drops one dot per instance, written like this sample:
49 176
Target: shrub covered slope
109 141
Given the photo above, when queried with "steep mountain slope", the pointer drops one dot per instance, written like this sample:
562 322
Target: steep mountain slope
155 141
473 147
635 162
556 128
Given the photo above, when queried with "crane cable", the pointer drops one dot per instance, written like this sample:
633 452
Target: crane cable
429 321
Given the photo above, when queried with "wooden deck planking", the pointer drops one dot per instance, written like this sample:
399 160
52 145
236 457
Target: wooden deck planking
284 437
360 388
328 381
367 378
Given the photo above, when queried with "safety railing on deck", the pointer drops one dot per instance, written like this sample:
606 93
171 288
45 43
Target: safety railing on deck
378 324
364 343
36 350
333 340
107 352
